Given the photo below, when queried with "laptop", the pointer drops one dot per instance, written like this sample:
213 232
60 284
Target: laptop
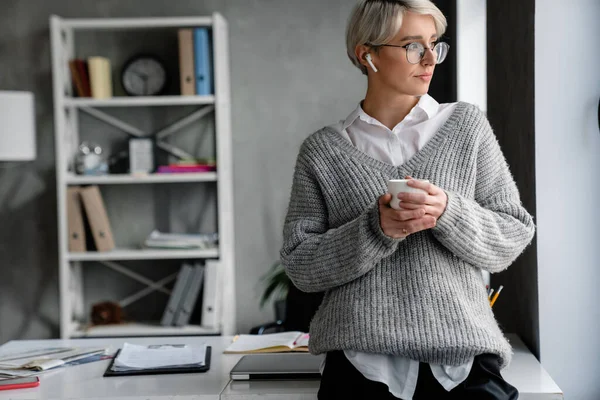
277 367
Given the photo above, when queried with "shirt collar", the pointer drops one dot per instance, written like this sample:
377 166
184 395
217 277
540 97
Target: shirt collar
426 104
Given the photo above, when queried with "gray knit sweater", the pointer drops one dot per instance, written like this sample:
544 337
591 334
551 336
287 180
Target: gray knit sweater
421 297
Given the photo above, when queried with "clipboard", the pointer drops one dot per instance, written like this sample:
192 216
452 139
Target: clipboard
158 371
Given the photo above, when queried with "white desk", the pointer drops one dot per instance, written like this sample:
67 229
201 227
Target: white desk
524 372
86 381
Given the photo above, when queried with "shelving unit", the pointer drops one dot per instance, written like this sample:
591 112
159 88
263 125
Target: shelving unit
67 108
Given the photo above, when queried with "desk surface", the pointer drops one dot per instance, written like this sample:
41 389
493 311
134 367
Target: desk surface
86 381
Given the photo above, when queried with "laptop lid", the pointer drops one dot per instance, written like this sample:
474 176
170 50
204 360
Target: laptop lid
277 366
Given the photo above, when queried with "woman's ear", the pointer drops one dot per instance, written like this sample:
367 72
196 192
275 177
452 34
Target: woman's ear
361 52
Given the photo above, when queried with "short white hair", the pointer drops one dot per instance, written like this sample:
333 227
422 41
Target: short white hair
378 21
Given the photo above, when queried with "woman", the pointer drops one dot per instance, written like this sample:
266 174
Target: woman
405 313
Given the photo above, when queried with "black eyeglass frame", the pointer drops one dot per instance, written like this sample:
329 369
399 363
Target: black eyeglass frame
405 47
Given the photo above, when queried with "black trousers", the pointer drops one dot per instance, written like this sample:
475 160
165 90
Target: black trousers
340 380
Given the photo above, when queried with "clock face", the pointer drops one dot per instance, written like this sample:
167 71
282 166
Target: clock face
144 76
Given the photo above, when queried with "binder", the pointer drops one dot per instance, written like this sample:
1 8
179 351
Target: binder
187 76
75 220
170 312
209 295
202 61
97 217
189 300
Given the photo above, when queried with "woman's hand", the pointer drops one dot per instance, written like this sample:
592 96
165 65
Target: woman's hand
433 202
398 224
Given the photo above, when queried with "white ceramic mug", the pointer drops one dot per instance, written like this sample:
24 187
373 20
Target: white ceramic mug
395 186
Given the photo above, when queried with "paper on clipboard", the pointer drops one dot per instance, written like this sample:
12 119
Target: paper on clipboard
133 356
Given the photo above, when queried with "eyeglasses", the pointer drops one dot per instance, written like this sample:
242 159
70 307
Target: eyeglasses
416 51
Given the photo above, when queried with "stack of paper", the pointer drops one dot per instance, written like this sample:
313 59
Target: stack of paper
35 361
162 240
134 357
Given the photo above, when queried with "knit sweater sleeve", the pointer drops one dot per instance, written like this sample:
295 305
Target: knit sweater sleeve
491 230
317 257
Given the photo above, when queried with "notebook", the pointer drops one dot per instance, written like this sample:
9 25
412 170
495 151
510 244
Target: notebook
277 367
269 343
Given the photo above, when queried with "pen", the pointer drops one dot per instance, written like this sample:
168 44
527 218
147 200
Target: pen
490 294
496 296
305 335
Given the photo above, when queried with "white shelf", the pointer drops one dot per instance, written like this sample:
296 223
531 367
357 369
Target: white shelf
142 254
64 33
135 23
125 101
141 329
119 179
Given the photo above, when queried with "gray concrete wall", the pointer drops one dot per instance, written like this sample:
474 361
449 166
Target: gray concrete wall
290 76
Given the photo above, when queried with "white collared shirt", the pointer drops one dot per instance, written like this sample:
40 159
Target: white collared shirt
395 147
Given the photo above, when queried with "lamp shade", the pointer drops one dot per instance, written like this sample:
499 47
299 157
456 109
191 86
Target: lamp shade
17 126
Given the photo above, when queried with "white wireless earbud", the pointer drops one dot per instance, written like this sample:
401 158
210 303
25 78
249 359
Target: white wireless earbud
370 61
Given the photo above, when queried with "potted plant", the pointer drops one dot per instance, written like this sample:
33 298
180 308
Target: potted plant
276 284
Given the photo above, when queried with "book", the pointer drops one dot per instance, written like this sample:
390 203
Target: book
283 342
100 77
84 76
202 61
170 312
78 86
188 302
186 62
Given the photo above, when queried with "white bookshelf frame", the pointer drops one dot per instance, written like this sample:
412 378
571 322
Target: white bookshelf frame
66 120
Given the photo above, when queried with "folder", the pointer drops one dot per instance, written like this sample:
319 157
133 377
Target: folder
187 76
97 217
183 369
188 301
170 312
202 61
75 220
209 295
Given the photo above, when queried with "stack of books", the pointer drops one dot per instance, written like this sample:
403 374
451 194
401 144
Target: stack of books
91 77
160 240
179 168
